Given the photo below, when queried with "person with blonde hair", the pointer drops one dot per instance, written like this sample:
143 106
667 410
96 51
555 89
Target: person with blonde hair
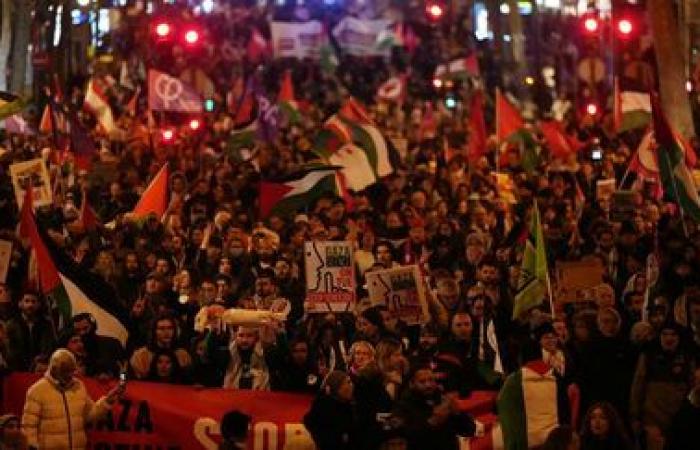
58 407
392 364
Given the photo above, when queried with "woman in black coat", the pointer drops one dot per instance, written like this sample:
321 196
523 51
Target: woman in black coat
331 421
603 429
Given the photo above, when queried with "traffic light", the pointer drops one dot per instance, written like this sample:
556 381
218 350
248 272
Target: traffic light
163 30
591 24
625 27
592 109
191 36
209 105
435 10
167 135
195 124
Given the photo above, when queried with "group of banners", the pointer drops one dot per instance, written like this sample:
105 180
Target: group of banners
151 416
331 283
357 37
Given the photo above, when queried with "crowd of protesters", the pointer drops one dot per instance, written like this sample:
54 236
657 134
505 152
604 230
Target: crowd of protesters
631 351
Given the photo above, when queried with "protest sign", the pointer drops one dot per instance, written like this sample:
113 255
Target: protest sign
330 276
576 280
401 290
605 188
362 37
622 208
32 173
5 258
297 40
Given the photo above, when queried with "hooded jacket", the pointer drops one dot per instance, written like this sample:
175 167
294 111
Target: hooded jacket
55 417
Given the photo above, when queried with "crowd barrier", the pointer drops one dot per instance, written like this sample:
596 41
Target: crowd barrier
169 417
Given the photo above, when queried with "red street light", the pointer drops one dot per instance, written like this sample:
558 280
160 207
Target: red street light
435 11
625 27
592 109
163 30
191 36
591 24
167 135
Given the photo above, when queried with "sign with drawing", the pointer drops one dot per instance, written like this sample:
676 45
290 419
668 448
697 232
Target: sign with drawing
330 276
402 291
32 174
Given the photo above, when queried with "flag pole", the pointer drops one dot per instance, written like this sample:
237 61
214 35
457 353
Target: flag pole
678 198
551 297
498 140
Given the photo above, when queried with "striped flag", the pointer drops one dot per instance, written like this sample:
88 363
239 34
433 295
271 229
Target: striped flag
528 407
676 177
508 118
286 99
73 290
97 103
154 199
298 191
532 284
459 68
631 109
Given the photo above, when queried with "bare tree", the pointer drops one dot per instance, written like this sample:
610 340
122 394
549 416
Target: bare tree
672 65
20 45
5 40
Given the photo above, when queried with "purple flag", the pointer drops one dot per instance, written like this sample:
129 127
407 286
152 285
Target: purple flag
167 93
268 114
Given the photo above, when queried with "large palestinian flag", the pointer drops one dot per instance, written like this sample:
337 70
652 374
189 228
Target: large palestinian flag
528 406
73 291
676 177
297 192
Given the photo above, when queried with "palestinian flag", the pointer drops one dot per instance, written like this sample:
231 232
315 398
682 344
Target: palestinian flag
632 109
154 199
286 100
528 406
297 192
508 118
378 150
459 68
532 284
355 167
393 90
354 111
73 290
560 144
245 121
258 48
676 177
97 102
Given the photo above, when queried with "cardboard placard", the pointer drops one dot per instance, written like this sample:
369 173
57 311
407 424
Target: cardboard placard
622 207
402 291
5 258
32 173
330 276
605 188
576 281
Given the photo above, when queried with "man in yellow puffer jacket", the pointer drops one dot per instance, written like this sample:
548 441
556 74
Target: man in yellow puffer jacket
58 407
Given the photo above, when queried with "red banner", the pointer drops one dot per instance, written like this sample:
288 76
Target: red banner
169 417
